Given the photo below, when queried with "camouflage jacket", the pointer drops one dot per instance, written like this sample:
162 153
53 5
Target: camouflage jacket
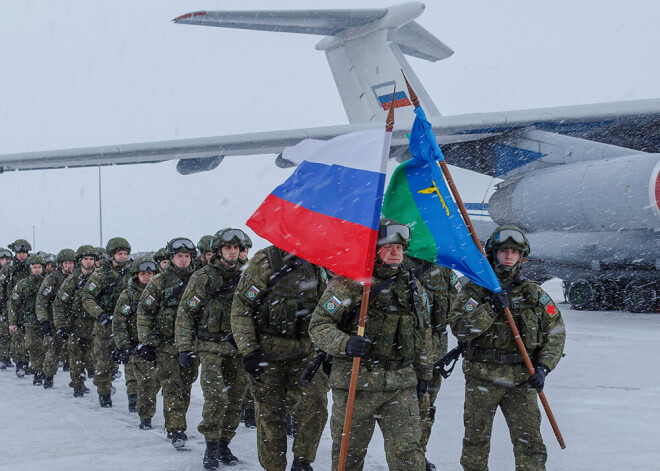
157 308
10 275
275 318
68 302
442 285
124 321
48 293
398 325
492 353
103 288
204 315
22 302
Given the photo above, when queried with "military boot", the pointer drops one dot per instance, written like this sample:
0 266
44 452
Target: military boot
179 439
105 400
65 366
225 455
90 372
78 392
301 465
21 369
132 403
116 375
38 379
48 382
249 418
6 363
429 466
145 424
211 456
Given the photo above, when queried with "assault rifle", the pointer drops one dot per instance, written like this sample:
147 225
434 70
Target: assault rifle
230 339
322 358
451 357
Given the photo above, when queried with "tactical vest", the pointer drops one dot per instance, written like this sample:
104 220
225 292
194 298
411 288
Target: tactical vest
108 298
172 289
396 323
17 272
76 303
59 278
287 309
27 308
215 321
497 344
134 293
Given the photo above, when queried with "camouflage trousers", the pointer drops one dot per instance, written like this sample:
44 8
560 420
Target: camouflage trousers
53 352
270 397
34 344
18 351
80 351
521 411
224 383
427 407
397 414
130 379
5 338
177 383
147 386
103 365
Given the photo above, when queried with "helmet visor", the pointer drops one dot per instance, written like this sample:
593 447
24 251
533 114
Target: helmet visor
21 248
394 233
179 244
147 265
505 234
234 234
5 253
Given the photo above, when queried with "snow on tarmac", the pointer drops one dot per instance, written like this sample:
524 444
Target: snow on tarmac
605 395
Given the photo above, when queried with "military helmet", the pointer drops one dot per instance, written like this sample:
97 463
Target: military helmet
5 253
117 243
86 251
50 258
393 232
20 245
507 237
180 244
101 254
248 242
144 263
66 255
228 236
160 255
35 259
204 244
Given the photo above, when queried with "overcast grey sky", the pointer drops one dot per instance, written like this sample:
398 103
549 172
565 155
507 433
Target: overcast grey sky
86 73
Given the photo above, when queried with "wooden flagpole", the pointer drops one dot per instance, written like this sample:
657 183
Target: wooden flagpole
507 311
348 417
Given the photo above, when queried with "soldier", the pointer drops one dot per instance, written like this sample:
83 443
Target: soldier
156 318
22 316
99 298
248 416
269 317
10 275
72 323
205 251
102 255
5 336
161 259
47 294
495 374
394 371
51 263
243 255
441 284
203 326
141 382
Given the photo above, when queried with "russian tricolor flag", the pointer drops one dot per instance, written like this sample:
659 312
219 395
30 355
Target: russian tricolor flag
328 211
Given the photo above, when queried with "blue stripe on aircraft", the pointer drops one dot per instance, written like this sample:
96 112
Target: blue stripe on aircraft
508 158
476 206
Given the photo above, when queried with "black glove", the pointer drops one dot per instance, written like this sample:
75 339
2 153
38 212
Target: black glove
498 301
538 378
357 346
125 355
63 333
422 387
114 356
252 363
187 359
105 318
146 352
46 329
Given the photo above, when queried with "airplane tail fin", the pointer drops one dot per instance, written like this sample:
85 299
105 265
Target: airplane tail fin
365 50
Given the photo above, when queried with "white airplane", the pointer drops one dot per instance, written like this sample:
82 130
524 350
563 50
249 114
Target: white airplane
583 181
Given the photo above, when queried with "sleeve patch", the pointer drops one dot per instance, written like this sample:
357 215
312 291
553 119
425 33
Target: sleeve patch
545 299
456 282
194 302
91 287
332 304
2 276
252 292
551 309
46 291
15 296
149 300
125 309
64 296
470 305
324 275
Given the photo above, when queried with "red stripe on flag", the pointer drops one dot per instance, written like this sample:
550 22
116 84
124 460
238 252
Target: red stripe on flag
346 248
397 104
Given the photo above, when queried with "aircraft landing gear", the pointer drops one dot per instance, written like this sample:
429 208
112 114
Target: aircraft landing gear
586 294
641 296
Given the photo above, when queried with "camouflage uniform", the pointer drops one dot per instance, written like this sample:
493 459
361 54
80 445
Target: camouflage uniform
22 304
52 343
274 320
69 314
389 372
156 317
441 284
100 296
141 375
495 374
203 320
11 344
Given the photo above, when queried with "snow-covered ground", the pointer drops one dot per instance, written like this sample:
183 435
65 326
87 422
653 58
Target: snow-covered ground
605 395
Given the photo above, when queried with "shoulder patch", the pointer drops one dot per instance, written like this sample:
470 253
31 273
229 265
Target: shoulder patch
545 299
125 309
456 283
194 301
15 296
324 275
64 296
46 291
252 292
149 300
2 276
91 287
470 305
332 304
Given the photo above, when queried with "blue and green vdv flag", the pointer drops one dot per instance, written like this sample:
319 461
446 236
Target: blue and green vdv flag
418 196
